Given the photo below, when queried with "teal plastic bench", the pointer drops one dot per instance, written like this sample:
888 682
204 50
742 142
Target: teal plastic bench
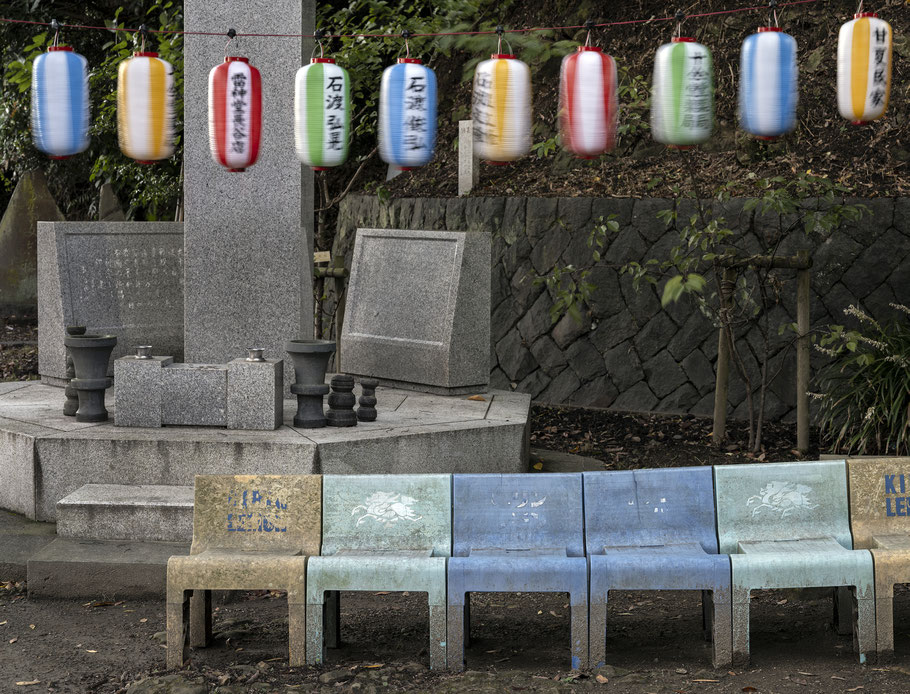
380 533
786 525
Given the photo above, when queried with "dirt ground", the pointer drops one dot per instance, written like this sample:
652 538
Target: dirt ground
521 643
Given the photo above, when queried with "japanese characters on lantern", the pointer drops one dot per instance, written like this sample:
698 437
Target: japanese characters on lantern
322 114
588 102
682 97
60 102
145 108
768 89
864 68
235 113
501 109
407 114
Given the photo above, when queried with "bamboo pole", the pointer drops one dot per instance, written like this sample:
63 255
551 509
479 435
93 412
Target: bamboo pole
722 381
802 355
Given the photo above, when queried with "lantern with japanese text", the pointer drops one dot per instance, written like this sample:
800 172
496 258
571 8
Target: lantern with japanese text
768 83
682 95
322 114
588 103
145 108
864 68
501 109
60 103
407 114
235 113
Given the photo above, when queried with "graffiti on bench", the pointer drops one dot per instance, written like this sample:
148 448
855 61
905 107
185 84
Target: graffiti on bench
896 505
386 508
252 512
782 499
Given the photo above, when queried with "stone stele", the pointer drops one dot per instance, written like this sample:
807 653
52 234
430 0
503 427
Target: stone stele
119 278
418 310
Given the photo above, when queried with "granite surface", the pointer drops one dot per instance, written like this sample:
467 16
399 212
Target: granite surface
255 394
248 235
418 310
137 385
194 395
115 278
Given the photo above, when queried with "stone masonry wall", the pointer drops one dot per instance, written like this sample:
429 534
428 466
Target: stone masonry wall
629 353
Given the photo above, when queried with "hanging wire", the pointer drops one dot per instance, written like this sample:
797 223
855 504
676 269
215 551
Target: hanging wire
55 27
625 22
318 35
231 34
860 8
143 32
405 34
589 25
772 4
680 18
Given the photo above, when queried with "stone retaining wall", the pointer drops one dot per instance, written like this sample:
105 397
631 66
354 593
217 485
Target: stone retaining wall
630 353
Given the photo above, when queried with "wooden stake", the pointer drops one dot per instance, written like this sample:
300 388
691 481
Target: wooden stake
802 356
722 380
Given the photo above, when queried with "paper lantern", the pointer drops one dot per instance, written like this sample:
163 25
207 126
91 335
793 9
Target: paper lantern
588 102
322 114
682 94
864 68
235 113
60 103
145 108
768 87
407 114
501 109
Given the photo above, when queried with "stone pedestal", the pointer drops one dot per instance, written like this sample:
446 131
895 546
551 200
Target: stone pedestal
248 236
138 388
255 394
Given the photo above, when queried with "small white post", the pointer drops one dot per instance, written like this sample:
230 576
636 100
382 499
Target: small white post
468 170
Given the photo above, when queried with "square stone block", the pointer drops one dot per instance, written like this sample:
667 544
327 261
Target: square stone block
137 384
255 394
418 310
194 395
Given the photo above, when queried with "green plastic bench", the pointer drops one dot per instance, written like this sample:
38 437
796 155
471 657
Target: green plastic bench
786 525
381 533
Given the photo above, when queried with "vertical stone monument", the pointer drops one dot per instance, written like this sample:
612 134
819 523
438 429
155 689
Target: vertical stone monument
248 236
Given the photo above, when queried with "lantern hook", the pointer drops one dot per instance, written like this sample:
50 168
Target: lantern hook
589 25
231 34
500 30
143 33
680 18
318 35
405 34
772 5
55 27
860 8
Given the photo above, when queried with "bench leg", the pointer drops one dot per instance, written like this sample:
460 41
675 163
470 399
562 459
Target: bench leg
843 610
296 633
579 630
315 650
740 625
721 632
884 621
467 620
707 614
457 626
438 640
201 618
864 629
597 630
177 619
332 618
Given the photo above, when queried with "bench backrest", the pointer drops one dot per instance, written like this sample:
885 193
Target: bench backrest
781 501
387 512
640 508
257 512
879 498
521 511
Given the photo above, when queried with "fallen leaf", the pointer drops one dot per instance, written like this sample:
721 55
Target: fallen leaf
374 665
704 680
28 684
835 677
782 602
382 592
143 620
31 626
2 623
855 688
537 466
807 674
601 679
88 650
749 689
477 398
14 639
554 614
494 651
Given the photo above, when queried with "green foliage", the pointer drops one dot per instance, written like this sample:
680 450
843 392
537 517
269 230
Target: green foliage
865 388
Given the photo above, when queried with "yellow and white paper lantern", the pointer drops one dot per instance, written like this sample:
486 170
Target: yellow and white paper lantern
145 108
864 68
501 109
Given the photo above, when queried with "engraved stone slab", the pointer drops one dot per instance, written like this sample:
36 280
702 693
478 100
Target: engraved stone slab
418 310
119 278
255 394
196 395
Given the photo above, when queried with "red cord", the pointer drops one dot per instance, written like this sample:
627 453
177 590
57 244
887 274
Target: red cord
387 36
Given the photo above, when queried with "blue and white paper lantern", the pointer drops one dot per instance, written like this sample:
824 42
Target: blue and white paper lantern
407 114
768 89
60 104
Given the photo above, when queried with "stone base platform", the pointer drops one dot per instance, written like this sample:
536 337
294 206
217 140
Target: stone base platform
45 456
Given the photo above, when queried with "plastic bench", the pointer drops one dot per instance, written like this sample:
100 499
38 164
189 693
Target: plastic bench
879 509
786 525
517 533
250 532
380 533
654 530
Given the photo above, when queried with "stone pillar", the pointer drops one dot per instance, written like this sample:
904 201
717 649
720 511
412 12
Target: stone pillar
248 236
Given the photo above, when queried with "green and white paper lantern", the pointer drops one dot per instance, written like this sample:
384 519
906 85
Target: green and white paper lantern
322 114
682 97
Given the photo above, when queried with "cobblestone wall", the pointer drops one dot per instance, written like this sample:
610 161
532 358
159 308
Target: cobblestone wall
629 353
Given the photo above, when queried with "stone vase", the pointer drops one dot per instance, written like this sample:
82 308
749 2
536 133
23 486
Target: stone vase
311 359
72 397
91 357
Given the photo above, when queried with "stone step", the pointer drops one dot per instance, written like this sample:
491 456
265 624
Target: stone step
108 570
20 538
143 513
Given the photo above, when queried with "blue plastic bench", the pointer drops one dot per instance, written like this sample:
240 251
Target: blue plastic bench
517 533
654 530
786 525
380 533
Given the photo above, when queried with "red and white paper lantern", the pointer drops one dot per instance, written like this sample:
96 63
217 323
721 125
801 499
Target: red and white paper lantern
235 113
588 102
